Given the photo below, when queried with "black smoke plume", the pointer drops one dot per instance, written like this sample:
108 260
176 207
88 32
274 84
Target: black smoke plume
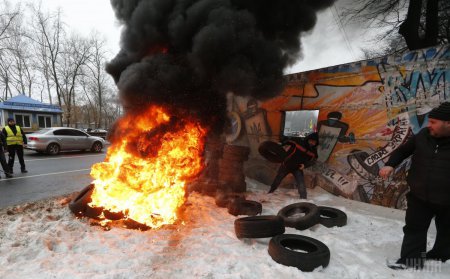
190 53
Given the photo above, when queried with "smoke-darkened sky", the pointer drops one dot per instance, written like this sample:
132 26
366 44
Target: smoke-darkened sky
324 46
191 53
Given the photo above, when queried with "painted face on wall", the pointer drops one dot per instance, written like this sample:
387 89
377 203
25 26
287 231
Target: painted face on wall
438 128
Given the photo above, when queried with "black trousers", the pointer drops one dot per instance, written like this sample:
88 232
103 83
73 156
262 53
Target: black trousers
417 221
13 149
299 179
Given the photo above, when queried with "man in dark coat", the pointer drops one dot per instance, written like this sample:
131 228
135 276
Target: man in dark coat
429 196
300 155
3 162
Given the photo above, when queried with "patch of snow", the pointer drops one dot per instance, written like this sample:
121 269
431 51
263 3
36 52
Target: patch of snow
45 240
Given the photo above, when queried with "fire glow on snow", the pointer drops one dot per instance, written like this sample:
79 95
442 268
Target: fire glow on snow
45 240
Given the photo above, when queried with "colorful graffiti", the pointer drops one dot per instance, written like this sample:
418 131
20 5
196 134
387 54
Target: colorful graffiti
367 110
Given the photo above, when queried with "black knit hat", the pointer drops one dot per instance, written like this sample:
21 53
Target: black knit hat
442 112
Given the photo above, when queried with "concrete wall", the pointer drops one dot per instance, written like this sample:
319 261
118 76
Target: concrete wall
378 103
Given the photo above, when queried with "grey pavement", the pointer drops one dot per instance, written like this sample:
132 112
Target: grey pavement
47 176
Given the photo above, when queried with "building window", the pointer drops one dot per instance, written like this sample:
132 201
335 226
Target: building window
44 121
300 123
23 120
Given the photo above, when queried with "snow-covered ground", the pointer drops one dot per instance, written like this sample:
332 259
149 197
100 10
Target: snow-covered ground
45 240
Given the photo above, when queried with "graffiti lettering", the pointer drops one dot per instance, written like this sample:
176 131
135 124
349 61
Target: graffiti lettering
399 135
403 89
335 177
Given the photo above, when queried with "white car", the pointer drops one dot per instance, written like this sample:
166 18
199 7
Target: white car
56 139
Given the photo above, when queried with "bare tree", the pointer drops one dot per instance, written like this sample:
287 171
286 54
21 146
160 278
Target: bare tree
97 76
7 17
75 54
422 23
48 36
5 77
17 48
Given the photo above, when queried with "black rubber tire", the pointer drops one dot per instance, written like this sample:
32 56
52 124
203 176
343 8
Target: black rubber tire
79 204
92 212
97 147
113 215
331 217
259 226
223 199
244 207
272 151
282 250
131 224
310 218
53 149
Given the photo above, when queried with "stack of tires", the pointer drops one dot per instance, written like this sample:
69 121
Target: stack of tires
231 173
208 181
299 251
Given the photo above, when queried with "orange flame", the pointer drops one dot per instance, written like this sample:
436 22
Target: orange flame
145 173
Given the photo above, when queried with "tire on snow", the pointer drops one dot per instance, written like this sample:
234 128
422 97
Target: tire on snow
244 207
259 226
291 219
223 199
282 249
330 217
79 204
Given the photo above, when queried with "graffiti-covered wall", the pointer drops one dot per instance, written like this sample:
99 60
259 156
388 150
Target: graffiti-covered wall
366 110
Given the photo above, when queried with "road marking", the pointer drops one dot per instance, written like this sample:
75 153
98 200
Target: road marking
59 158
44 174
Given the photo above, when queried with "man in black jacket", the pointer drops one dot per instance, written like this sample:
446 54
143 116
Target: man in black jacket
300 155
3 162
429 196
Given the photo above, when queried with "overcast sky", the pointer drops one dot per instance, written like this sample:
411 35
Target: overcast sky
325 46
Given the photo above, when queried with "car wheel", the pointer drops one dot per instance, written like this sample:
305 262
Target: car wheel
53 149
97 147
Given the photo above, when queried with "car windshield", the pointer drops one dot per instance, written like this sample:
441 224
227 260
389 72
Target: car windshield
42 131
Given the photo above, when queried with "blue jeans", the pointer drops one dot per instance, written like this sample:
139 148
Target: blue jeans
299 179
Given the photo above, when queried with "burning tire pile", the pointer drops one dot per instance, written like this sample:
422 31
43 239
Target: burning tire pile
81 208
299 251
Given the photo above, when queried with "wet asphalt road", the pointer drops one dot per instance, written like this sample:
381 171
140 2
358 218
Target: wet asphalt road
47 176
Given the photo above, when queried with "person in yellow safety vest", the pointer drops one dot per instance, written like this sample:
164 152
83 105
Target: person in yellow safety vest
15 140
2 157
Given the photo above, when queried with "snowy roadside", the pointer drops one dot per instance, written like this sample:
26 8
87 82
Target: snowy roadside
45 240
